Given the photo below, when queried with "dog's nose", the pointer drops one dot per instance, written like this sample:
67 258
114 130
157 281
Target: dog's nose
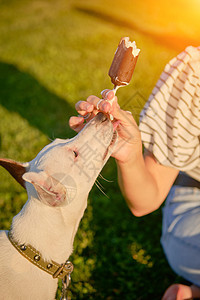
101 117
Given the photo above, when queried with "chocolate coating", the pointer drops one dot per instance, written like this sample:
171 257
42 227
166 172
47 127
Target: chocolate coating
123 65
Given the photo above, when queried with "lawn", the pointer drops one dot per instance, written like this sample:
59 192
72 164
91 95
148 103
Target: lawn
52 54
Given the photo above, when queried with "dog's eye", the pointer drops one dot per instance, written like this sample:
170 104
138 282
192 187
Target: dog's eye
75 153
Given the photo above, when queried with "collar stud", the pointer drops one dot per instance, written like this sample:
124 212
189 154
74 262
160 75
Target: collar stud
36 257
23 247
49 266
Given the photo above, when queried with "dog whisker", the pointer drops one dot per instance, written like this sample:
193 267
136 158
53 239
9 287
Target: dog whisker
99 183
101 189
105 179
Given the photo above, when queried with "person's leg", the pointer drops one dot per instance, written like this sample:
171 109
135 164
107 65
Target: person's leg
181 240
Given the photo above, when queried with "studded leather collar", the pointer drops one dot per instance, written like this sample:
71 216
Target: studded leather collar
51 267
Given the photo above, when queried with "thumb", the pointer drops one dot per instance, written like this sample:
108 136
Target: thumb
125 117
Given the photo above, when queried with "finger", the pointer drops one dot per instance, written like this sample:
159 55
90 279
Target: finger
125 117
93 100
76 123
103 105
108 94
90 116
83 107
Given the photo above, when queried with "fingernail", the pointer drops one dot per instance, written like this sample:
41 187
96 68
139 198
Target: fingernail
105 107
87 105
102 92
107 93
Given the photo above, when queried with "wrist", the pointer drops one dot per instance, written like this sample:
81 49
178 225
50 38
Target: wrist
132 155
135 160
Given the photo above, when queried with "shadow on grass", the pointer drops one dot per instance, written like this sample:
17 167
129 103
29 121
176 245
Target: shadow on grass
22 93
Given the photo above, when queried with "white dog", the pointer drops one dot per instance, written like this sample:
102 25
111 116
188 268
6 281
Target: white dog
58 181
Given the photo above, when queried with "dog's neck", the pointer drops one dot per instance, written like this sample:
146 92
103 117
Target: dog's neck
50 230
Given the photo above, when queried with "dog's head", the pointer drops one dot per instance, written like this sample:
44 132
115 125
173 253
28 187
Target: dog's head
66 169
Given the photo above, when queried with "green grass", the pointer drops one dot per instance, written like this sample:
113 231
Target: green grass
53 54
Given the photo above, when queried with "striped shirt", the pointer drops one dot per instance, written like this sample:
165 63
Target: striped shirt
170 120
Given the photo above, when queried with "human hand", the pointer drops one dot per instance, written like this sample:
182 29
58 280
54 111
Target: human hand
129 140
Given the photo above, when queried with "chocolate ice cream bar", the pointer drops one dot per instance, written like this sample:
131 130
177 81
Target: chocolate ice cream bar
123 63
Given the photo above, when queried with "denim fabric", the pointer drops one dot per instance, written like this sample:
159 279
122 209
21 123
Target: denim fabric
181 232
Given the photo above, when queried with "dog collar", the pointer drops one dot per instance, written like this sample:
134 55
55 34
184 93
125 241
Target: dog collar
51 267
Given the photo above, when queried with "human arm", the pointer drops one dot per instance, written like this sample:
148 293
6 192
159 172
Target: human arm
143 182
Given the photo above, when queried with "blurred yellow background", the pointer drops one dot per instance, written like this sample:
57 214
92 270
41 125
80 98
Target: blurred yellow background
175 22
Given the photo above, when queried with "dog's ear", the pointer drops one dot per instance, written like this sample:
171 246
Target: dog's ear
50 190
15 168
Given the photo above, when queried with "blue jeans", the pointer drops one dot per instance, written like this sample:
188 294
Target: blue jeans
181 232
